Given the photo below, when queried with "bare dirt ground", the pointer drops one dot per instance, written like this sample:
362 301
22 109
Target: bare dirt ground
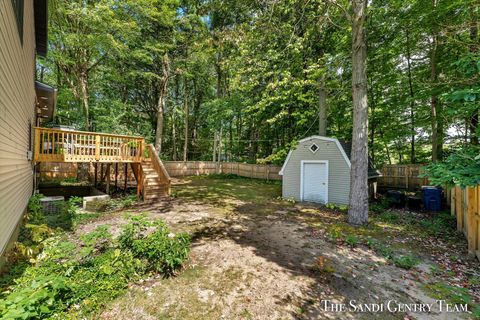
255 256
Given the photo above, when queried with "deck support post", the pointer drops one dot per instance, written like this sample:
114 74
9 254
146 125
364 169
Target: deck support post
95 165
108 178
116 175
125 179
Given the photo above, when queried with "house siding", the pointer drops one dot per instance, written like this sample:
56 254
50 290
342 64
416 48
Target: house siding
17 113
338 170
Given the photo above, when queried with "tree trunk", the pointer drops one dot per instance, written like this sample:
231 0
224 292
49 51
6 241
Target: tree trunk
322 108
174 136
412 102
84 96
436 153
161 102
358 206
185 122
474 121
214 146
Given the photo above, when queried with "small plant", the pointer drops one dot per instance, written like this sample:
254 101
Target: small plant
334 235
405 262
390 217
336 207
351 240
96 241
290 199
380 247
128 201
441 224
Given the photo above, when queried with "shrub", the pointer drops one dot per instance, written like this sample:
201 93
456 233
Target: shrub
405 262
35 209
164 251
42 298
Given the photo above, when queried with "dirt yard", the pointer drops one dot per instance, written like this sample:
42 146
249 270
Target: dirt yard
255 256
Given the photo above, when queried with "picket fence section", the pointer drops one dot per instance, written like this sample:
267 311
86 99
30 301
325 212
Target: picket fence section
195 168
400 176
464 205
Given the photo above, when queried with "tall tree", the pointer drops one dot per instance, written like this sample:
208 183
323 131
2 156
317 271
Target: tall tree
358 205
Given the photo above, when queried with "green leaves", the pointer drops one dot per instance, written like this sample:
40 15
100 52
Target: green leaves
461 168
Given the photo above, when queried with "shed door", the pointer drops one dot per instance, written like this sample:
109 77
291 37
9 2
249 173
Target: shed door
315 182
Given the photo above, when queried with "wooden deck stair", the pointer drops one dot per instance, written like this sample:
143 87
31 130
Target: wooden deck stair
154 187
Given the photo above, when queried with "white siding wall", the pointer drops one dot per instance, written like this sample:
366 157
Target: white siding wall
338 170
17 101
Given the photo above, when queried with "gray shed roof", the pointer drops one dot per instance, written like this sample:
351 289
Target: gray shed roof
372 171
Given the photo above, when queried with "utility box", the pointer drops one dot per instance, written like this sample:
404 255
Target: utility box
52 205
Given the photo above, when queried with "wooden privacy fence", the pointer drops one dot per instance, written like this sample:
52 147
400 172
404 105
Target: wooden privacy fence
399 176
193 168
465 204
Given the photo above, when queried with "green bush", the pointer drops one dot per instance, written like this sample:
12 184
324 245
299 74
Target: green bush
405 262
41 299
164 251
35 209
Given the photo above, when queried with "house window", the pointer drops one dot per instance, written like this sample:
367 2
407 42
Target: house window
313 148
18 6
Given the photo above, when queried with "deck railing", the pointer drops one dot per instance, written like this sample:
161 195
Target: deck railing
53 145
157 164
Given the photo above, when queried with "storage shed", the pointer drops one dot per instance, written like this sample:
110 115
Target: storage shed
318 170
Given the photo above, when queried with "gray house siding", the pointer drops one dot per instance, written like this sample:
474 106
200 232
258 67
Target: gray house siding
338 170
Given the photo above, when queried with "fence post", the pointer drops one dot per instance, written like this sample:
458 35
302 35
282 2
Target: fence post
452 201
470 221
459 207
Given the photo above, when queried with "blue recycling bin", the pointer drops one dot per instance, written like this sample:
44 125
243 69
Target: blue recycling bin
432 198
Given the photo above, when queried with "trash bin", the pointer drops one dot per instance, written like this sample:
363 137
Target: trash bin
432 198
396 198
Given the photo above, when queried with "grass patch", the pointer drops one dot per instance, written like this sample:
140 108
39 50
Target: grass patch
453 295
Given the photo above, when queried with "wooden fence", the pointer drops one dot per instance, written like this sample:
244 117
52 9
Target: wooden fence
407 177
193 168
465 205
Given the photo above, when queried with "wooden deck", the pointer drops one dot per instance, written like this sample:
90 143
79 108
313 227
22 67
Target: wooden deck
53 145
153 181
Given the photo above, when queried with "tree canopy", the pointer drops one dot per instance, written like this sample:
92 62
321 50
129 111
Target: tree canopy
244 80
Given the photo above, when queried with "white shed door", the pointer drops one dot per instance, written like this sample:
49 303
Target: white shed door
315 182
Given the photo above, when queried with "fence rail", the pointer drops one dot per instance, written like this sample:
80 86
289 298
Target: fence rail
52 145
192 168
402 177
465 205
